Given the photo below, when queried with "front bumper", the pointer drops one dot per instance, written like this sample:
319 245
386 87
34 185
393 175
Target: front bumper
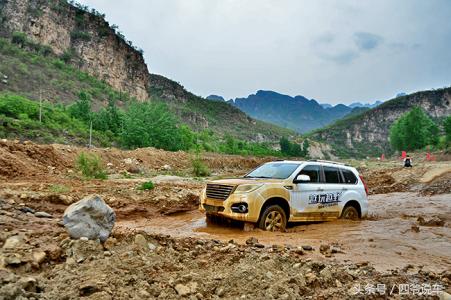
224 208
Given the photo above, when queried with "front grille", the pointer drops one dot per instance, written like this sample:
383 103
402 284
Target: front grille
219 191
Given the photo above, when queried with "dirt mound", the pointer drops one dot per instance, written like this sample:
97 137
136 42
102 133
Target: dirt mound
440 185
26 159
382 181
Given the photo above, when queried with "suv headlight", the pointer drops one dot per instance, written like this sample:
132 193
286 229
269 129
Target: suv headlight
247 188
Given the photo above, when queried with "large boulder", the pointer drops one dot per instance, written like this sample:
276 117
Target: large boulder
90 217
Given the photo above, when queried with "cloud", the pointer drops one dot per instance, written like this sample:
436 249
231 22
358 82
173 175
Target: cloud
367 41
333 47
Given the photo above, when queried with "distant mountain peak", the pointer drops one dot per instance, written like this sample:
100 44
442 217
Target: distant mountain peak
215 98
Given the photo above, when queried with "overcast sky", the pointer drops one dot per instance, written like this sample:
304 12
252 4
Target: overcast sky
332 51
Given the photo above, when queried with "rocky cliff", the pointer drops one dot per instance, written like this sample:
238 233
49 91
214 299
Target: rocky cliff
83 38
368 133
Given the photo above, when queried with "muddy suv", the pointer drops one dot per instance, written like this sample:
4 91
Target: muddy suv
288 191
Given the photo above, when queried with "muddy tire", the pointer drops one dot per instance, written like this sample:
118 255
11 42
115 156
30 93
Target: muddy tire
273 219
350 213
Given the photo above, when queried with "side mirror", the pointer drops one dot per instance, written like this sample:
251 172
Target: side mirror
302 178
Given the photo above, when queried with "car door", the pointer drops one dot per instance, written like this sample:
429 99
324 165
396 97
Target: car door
303 191
331 193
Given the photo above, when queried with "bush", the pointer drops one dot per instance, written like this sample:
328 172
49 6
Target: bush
146 186
447 127
200 169
91 166
413 130
150 124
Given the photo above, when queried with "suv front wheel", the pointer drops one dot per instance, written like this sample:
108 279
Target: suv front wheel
273 219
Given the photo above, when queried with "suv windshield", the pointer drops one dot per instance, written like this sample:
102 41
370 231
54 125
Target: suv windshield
273 170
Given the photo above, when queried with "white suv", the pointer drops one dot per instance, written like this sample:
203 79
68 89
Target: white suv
282 191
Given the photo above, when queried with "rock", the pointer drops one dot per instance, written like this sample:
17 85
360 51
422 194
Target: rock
415 228
28 284
39 257
307 248
258 245
42 214
140 241
151 246
88 288
26 209
220 291
90 217
128 161
167 167
13 242
182 290
299 251
434 221
324 248
335 249
296 265
110 243
251 241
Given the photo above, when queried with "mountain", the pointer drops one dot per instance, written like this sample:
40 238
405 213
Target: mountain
215 98
367 133
368 105
326 105
297 113
55 50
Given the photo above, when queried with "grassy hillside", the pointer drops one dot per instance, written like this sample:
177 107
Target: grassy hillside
367 133
33 71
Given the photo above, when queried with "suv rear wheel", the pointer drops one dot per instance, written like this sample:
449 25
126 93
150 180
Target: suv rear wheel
350 213
273 219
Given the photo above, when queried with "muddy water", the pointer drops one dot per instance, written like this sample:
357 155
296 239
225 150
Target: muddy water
385 239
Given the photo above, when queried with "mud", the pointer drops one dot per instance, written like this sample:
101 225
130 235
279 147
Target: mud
405 240
385 240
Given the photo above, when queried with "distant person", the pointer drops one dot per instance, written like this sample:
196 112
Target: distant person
408 162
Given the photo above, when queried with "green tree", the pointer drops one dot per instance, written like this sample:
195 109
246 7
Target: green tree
150 124
447 127
291 148
305 147
413 130
81 109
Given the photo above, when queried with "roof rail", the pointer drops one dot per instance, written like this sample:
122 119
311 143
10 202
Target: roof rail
328 161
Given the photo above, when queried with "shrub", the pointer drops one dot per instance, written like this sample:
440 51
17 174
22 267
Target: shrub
91 166
200 169
146 186
19 38
447 126
413 130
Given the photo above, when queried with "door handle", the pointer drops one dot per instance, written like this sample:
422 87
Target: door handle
320 189
344 189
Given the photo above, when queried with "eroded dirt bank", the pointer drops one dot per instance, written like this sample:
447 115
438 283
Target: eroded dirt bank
162 247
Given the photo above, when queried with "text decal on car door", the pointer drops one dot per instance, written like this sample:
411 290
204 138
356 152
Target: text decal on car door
324 198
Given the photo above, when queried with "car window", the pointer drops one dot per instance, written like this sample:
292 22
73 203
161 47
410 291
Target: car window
332 175
312 171
349 176
273 170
